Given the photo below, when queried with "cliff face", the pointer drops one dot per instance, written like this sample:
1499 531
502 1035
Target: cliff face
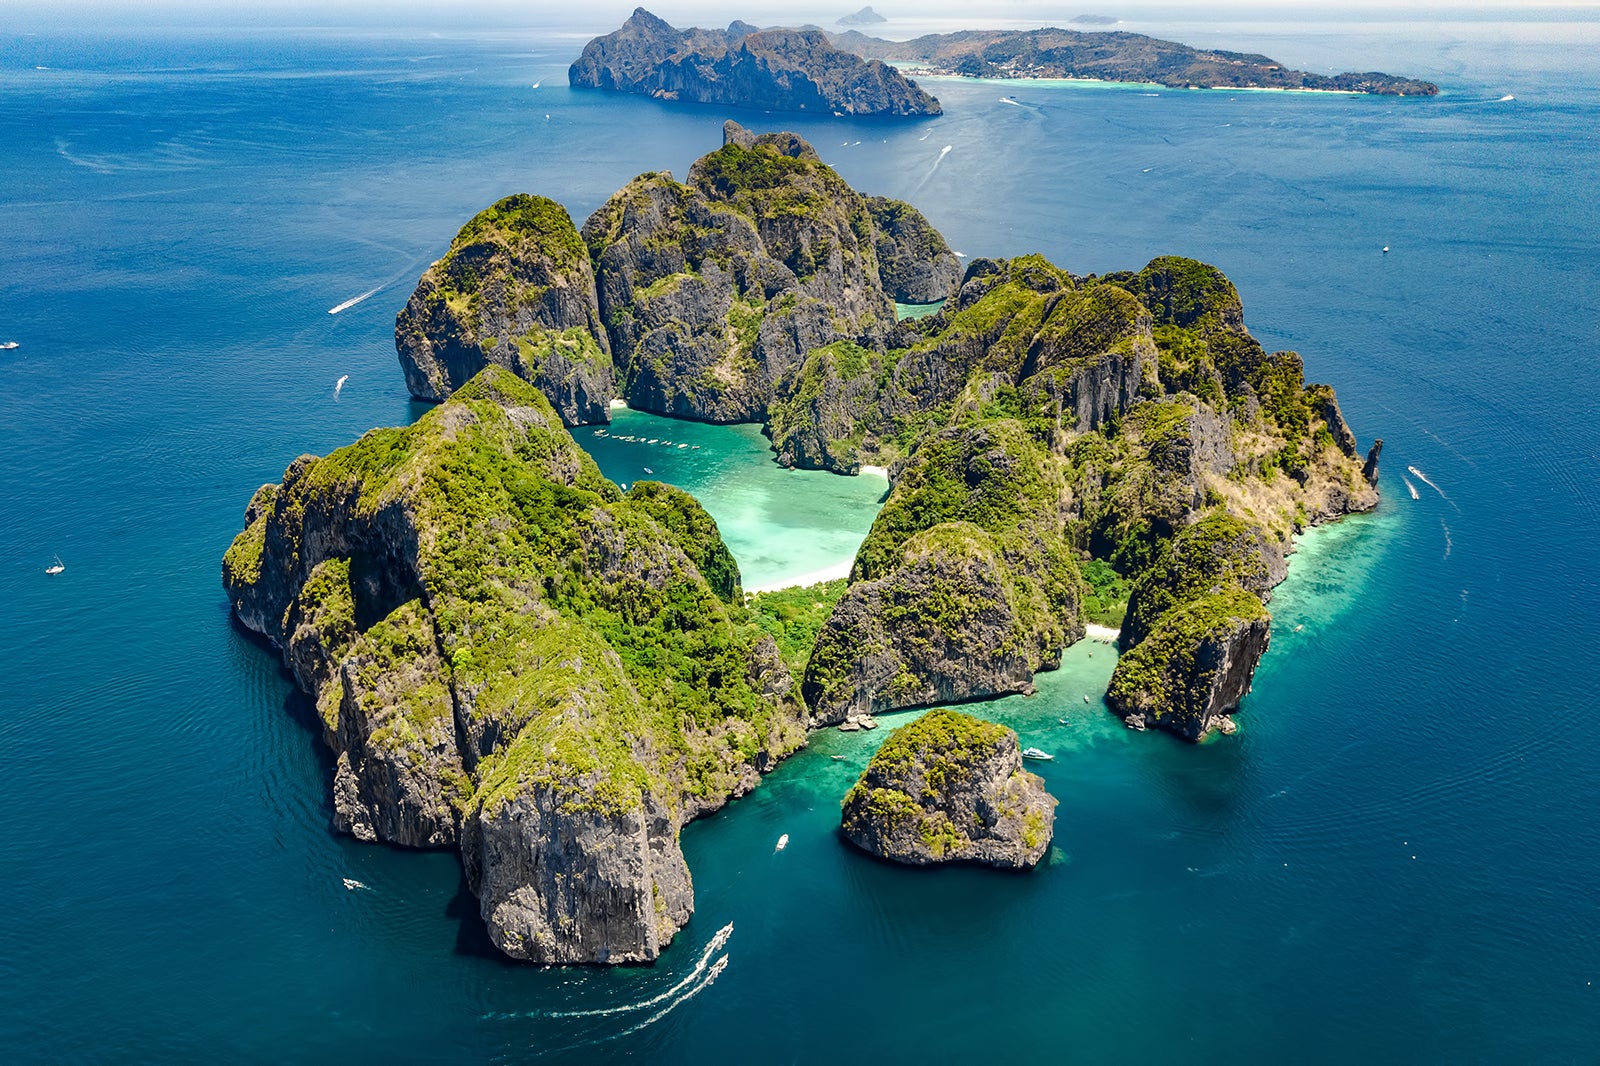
714 290
965 587
1130 419
516 289
950 788
1194 666
774 70
510 655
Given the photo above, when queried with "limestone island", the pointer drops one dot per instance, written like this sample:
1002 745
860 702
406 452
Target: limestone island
511 657
744 66
1110 56
865 17
949 787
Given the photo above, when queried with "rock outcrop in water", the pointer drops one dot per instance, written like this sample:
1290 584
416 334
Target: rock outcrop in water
950 788
773 70
511 656
516 289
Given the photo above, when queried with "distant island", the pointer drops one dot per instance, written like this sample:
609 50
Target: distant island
865 17
511 656
1058 53
744 66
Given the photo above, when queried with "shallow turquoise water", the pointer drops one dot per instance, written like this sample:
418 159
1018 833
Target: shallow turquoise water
784 526
1394 859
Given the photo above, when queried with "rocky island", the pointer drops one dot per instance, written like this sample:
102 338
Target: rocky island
1111 56
512 657
743 66
949 787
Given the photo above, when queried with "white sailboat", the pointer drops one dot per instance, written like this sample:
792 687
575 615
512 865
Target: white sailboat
55 567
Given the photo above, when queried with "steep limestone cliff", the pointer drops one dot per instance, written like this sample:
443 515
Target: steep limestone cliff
950 788
1194 666
773 70
714 290
510 655
965 587
1130 420
516 289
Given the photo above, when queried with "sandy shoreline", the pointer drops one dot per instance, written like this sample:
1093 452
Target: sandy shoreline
880 471
1094 632
815 577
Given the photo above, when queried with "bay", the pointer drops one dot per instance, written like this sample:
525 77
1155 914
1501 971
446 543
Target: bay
1394 858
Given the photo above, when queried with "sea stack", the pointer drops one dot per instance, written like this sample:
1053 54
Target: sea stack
950 788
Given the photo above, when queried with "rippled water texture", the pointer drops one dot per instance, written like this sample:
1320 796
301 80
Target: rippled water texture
1395 858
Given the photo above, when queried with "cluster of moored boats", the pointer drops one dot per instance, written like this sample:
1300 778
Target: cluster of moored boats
631 439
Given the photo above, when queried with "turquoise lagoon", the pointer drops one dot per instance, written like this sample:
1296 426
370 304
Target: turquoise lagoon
1395 858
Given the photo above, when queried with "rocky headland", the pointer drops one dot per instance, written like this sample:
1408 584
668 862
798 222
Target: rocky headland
742 66
1111 56
512 657
949 787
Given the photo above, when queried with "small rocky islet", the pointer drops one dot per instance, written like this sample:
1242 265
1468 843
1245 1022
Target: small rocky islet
512 657
949 787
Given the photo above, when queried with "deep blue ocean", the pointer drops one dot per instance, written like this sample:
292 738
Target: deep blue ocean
1396 859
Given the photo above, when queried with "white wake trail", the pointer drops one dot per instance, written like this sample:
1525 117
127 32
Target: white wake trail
716 945
352 302
711 976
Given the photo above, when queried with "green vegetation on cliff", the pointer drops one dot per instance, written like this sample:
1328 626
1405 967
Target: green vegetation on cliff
794 616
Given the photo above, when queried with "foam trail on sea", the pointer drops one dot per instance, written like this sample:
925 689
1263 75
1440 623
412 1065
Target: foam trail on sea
352 302
338 386
716 945
1410 487
942 153
1448 543
711 976
1420 476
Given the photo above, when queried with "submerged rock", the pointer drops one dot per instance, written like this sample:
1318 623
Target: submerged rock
949 787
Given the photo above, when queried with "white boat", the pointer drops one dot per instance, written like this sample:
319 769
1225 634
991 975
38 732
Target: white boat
55 567
1035 753
647 470
352 884
783 842
1086 697
8 345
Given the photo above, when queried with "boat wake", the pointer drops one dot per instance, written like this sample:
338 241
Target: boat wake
699 969
1410 487
338 386
1420 476
353 885
711 976
336 308
1448 543
942 153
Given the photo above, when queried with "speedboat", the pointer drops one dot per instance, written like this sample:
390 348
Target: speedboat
1035 753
